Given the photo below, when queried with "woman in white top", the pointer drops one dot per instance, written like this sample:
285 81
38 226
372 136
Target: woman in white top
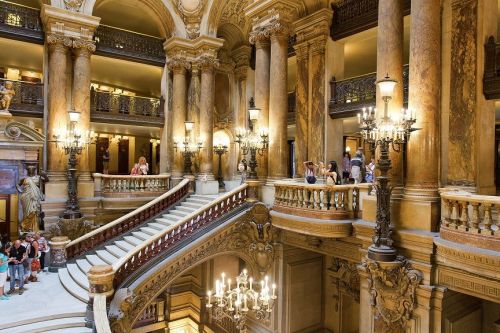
143 166
310 174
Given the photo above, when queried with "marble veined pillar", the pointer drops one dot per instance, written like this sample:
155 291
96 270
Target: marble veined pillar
207 100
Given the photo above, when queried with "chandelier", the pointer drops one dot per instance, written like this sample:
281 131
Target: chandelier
384 132
254 141
235 304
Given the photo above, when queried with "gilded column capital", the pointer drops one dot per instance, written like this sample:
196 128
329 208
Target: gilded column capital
302 51
195 68
207 62
56 40
84 47
259 37
318 45
178 63
240 73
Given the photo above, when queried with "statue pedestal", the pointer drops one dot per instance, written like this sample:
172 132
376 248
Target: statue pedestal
58 253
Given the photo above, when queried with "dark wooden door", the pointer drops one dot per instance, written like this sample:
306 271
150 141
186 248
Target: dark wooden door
123 168
5 218
101 145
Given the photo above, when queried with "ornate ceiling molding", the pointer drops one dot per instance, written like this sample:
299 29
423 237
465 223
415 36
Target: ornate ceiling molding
191 12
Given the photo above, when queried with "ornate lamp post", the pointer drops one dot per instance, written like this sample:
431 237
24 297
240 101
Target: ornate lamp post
220 149
385 132
236 303
254 141
189 148
73 141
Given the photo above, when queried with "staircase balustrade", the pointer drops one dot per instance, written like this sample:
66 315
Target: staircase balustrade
127 222
336 202
148 251
130 185
470 219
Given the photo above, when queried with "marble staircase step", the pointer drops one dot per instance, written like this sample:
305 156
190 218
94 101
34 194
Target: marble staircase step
158 226
188 210
141 235
132 240
197 201
106 256
73 330
53 314
78 275
168 218
51 325
116 251
125 246
178 213
84 265
205 198
95 260
71 286
191 205
149 231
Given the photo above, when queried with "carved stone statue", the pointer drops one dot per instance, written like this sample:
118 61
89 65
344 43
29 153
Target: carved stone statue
31 195
6 94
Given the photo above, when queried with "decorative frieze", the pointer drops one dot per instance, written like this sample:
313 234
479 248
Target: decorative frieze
392 287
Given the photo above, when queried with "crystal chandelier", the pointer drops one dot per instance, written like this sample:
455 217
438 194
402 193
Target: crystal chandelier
385 132
235 304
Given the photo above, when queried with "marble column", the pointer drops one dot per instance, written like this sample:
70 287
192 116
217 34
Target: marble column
166 138
207 100
301 108
262 71
194 99
424 98
390 47
81 102
240 114
278 104
58 113
179 105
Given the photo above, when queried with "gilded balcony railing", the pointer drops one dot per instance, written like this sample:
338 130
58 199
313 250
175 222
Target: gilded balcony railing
127 222
28 99
470 219
154 313
349 96
129 45
329 202
109 107
130 185
20 22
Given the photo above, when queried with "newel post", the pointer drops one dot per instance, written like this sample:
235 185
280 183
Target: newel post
100 286
253 190
58 255
191 182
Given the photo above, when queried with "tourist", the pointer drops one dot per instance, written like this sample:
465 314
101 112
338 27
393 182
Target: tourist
331 174
346 167
17 255
32 260
356 167
27 269
310 174
135 170
43 247
242 168
363 165
4 264
370 171
143 166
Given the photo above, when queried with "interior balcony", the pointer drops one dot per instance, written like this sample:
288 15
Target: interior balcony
318 210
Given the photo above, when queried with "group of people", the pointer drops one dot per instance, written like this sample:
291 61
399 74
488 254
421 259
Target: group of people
21 261
353 169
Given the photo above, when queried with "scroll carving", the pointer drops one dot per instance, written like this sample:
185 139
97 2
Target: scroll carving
392 288
191 13
346 278
73 5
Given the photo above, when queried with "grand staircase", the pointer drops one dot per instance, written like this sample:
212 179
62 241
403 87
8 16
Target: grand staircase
74 276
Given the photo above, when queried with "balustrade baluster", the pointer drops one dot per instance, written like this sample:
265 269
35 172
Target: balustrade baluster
446 218
324 198
316 199
464 215
474 219
454 214
487 220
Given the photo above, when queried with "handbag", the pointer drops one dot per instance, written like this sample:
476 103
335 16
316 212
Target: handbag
35 265
311 179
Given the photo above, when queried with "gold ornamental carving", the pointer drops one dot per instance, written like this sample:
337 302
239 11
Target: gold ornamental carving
345 276
392 288
191 12
73 5
252 238
88 45
56 39
179 62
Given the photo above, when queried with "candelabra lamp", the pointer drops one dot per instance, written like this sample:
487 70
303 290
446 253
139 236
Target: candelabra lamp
236 303
385 132
220 149
188 146
254 141
73 142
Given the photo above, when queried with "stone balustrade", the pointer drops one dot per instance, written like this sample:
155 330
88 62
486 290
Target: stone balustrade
128 185
470 219
329 202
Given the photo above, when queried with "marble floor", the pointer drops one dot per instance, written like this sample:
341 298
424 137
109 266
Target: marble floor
41 301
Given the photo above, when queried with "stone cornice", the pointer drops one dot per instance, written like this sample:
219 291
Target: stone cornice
314 25
260 10
74 25
201 51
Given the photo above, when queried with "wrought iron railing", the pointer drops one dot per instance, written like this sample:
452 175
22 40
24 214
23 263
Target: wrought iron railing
129 45
28 99
109 107
353 16
130 185
491 79
154 247
20 22
349 96
127 222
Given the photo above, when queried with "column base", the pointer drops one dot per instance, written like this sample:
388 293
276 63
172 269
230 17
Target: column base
420 209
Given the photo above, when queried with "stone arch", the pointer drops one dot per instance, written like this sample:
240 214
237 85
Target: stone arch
251 238
232 34
227 11
157 10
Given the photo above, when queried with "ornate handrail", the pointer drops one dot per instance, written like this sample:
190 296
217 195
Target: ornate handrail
127 222
20 22
333 202
129 45
471 219
28 99
349 96
101 320
353 16
130 185
144 253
